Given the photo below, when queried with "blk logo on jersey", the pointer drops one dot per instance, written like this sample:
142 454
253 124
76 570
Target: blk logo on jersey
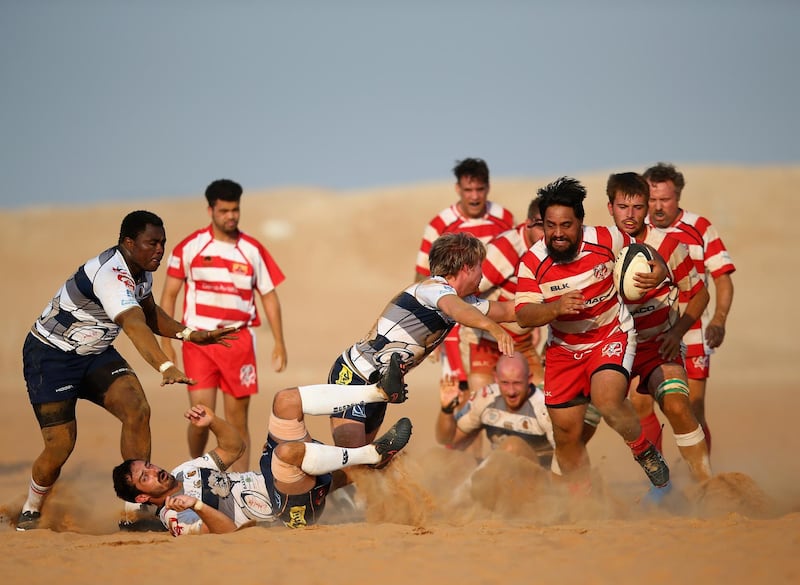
613 349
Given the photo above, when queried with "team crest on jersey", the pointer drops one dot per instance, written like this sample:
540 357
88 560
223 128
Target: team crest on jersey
239 268
600 271
612 349
219 484
247 375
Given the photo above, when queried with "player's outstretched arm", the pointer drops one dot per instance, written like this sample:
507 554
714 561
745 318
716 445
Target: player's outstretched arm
230 445
465 314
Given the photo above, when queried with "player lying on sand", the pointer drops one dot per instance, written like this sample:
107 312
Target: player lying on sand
296 473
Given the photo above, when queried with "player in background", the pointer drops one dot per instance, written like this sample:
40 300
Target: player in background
475 214
499 282
658 372
711 259
224 271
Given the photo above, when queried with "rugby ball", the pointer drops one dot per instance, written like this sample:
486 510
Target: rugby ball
630 260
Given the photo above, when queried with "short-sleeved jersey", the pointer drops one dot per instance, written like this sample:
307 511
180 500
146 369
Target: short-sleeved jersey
242 497
411 325
496 220
80 317
503 254
710 258
222 279
486 409
499 282
658 310
542 280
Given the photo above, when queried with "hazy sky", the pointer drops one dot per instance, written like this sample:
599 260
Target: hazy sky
111 99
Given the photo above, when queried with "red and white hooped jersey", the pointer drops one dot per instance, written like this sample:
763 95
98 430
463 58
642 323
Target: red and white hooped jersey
222 278
496 220
658 309
503 254
541 280
710 258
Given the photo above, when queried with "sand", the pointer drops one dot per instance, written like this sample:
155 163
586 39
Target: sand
419 521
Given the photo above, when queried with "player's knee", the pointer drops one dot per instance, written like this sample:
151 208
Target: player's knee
288 403
671 386
286 461
137 415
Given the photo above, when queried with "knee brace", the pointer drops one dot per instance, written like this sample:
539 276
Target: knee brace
671 386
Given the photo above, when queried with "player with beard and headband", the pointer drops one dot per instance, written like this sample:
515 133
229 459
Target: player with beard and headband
658 370
566 282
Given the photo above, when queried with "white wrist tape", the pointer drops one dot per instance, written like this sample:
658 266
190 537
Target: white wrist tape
165 366
185 334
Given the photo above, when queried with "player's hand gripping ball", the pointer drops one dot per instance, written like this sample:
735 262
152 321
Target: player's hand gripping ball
630 260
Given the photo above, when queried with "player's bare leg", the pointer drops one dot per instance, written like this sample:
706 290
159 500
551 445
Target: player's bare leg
236 413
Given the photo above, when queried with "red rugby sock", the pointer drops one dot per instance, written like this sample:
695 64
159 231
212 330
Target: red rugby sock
651 427
640 445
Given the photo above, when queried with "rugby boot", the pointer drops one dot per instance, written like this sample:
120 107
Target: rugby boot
391 381
28 520
390 443
654 466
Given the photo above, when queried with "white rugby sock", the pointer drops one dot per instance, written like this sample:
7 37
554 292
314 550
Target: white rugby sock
333 398
320 459
36 495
